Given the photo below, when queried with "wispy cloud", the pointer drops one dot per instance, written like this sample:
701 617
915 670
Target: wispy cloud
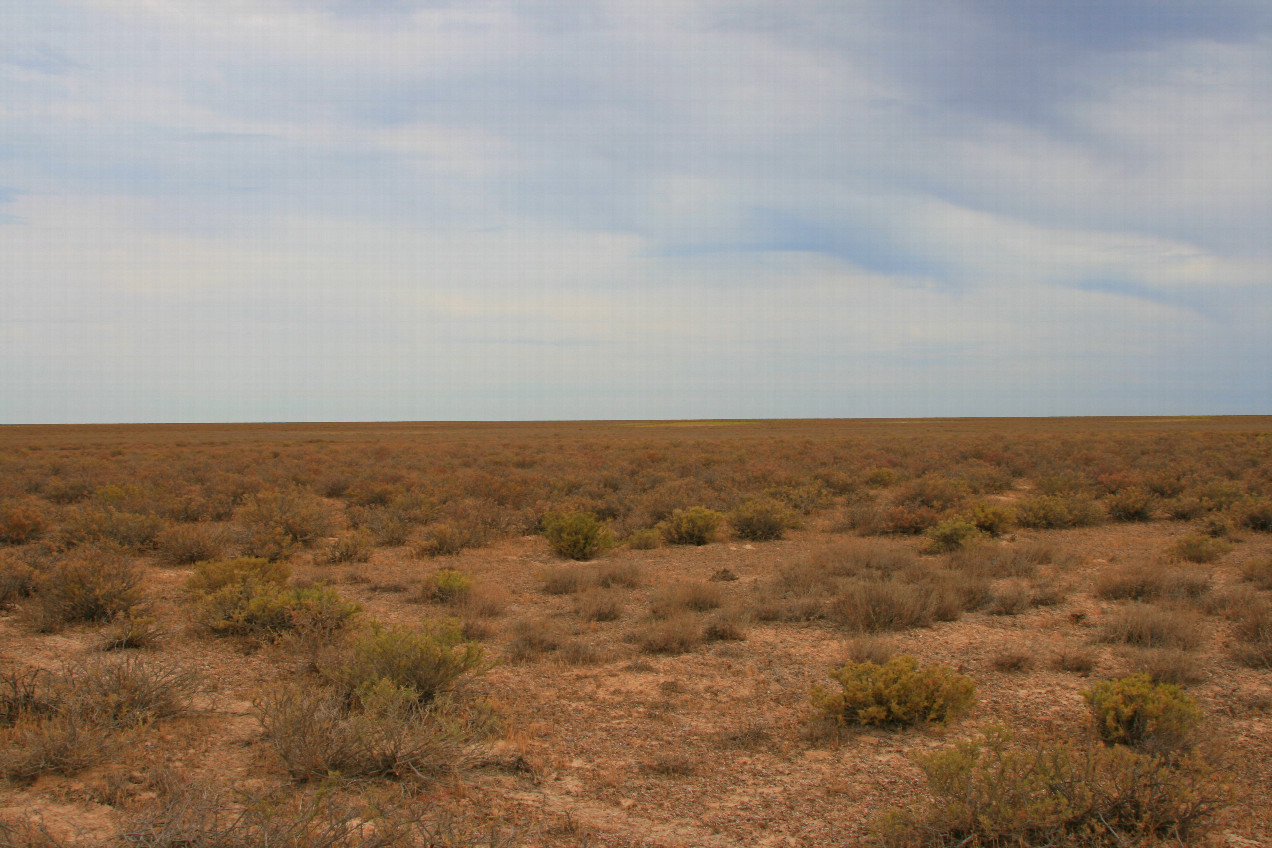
399 209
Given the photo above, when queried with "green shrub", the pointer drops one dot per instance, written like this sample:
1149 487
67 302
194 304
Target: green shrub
446 586
644 539
427 661
1136 711
576 535
761 520
880 478
248 597
994 792
212 575
284 519
693 526
896 693
950 535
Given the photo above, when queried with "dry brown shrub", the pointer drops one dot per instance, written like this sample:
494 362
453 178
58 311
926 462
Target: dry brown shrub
1075 659
88 584
695 596
677 635
1013 659
568 579
870 606
1147 580
21 521
532 638
598 605
186 544
627 575
1165 665
727 625
1151 626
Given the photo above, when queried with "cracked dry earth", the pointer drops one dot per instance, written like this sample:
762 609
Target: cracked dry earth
615 746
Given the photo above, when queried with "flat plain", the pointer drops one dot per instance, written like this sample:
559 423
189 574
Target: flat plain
623 633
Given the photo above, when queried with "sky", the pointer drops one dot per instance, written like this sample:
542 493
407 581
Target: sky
344 210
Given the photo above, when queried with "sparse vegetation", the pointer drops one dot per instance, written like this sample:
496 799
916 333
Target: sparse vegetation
1019 553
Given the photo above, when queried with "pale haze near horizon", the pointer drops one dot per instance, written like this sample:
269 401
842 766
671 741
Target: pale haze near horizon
281 210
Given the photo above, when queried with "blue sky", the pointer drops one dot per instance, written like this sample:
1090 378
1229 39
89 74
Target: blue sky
244 210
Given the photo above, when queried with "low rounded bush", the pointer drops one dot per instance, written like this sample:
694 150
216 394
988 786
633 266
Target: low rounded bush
950 535
426 661
897 693
576 535
185 544
249 597
693 526
88 585
446 586
354 546
1136 711
761 520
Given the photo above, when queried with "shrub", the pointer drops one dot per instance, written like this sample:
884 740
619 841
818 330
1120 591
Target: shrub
355 546
1256 514
644 539
1145 580
1254 634
990 518
950 535
870 606
446 586
880 478
761 520
567 580
185 544
427 661
66 721
619 574
678 634
598 605
1052 512
88 585
299 515
1136 711
693 526
1132 504
247 597
993 791
1165 665
386 733
532 638
896 693
1200 548
20 522
133 531
1148 626
675 598
576 535
1258 572
444 539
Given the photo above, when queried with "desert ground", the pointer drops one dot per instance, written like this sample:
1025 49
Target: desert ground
623 633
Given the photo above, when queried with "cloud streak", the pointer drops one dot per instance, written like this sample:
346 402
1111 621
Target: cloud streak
285 210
